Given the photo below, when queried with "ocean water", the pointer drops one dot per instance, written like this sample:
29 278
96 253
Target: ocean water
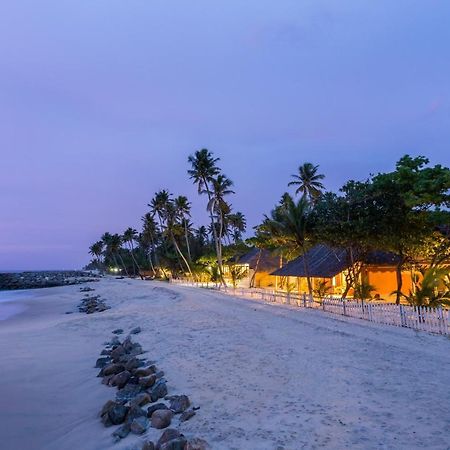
9 305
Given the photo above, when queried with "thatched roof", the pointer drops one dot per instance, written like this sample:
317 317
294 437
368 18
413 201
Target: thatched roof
326 262
267 261
322 262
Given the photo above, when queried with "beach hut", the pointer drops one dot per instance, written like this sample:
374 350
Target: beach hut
256 266
327 267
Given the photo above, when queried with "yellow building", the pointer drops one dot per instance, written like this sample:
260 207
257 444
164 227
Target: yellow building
327 268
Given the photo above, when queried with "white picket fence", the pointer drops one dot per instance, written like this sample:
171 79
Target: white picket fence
422 318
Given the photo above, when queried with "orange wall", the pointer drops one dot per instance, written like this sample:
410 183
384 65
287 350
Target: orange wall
384 279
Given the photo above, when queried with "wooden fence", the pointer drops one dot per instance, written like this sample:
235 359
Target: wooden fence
422 318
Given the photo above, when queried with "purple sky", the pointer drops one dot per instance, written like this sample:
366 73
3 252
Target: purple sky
102 101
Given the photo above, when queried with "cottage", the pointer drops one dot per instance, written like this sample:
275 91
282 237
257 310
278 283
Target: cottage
328 267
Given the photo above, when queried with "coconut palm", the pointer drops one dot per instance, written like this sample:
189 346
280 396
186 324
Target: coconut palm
203 171
130 235
96 250
237 224
288 227
148 238
308 181
183 210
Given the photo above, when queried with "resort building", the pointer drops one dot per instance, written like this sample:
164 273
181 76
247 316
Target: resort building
254 269
327 268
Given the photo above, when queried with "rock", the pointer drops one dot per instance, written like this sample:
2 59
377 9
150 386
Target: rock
159 374
121 379
145 372
118 413
168 435
139 425
132 363
133 413
159 390
136 330
157 406
147 382
107 406
106 380
197 444
118 331
141 399
179 403
117 353
121 432
112 369
148 445
115 341
161 418
105 352
128 392
187 415
102 362
174 444
106 420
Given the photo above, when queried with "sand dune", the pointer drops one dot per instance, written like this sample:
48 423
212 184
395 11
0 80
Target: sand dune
264 376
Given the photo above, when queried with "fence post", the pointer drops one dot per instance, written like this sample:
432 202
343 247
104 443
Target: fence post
304 300
344 303
323 303
402 316
441 319
369 310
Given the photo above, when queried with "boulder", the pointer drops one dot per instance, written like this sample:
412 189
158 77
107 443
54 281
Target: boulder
139 425
102 362
118 331
107 406
128 392
112 369
168 435
157 406
136 330
118 413
141 399
159 390
147 382
148 445
121 379
133 413
145 372
187 415
117 353
197 444
179 403
132 363
121 432
161 418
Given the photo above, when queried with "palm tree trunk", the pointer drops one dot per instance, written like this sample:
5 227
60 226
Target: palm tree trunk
252 280
135 262
123 264
187 241
216 241
177 248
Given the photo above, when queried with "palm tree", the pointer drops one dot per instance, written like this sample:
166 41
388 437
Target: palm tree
148 237
183 210
174 228
116 245
203 170
238 225
129 236
96 250
308 181
288 227
221 186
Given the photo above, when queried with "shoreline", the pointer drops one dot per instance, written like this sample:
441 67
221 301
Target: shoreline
264 377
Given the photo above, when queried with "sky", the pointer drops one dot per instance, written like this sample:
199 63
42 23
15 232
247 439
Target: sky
102 101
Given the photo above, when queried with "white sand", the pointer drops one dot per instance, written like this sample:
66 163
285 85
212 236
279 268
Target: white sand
265 376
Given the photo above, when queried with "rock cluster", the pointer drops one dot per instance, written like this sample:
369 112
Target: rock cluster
92 304
138 404
34 280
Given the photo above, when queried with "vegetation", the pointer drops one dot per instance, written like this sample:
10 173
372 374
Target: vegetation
404 212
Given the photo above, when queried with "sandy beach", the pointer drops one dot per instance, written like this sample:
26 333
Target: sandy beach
264 376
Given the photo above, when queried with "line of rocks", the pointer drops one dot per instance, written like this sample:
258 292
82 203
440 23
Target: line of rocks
92 304
35 280
140 384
